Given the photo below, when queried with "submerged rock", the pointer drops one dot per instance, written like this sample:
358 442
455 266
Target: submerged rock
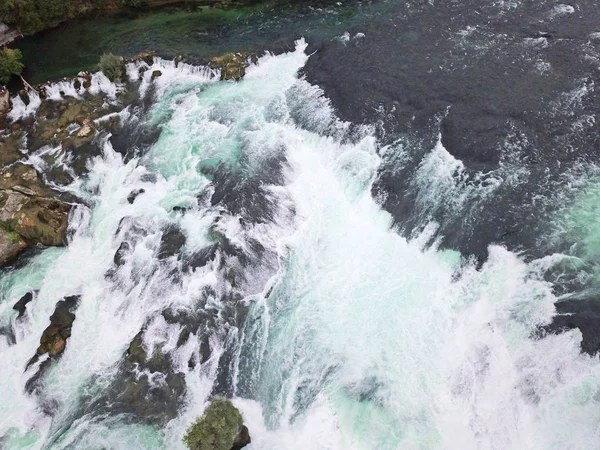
54 338
220 428
21 305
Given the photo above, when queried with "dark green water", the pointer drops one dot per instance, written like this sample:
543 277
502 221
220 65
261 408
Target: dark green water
197 33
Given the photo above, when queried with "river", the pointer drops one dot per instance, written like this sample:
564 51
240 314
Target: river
337 262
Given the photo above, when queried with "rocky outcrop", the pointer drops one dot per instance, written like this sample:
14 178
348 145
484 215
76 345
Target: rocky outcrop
54 339
220 428
232 65
21 305
29 213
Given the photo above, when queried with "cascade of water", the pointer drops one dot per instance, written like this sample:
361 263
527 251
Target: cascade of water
246 248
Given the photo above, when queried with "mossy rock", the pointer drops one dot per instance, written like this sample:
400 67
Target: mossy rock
218 428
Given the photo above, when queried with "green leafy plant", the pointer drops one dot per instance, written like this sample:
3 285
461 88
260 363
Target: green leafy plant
10 64
216 429
112 66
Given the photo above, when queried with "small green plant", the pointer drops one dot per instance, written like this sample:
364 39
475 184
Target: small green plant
216 429
112 66
10 64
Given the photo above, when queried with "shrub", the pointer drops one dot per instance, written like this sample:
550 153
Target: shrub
112 66
216 429
10 64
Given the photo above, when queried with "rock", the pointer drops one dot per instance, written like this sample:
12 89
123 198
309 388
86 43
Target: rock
171 242
220 428
24 96
178 60
77 84
85 131
147 57
11 244
134 194
241 439
122 251
232 65
21 305
29 213
4 103
156 73
54 338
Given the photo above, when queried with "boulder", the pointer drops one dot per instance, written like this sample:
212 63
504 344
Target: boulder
29 213
21 305
54 338
232 65
11 244
156 73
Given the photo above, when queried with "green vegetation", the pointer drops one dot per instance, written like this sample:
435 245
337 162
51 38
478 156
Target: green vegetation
32 16
216 429
112 66
10 64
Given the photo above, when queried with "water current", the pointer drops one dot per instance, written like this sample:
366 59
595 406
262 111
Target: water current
327 328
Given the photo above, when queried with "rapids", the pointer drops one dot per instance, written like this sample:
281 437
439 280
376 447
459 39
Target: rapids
327 327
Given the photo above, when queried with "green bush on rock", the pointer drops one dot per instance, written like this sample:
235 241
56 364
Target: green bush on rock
112 66
218 428
10 64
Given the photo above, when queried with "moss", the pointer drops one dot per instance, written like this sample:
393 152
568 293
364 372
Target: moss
216 429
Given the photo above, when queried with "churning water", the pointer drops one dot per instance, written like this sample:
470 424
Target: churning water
328 329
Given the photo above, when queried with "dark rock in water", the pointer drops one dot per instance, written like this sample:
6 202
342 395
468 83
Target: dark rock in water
134 194
124 249
21 305
579 313
232 65
24 96
146 388
171 242
54 338
220 428
77 84
156 73
241 439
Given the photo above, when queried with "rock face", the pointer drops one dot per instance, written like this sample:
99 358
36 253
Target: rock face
54 338
21 305
29 214
232 65
220 428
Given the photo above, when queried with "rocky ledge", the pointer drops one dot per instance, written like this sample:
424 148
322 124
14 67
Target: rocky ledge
29 212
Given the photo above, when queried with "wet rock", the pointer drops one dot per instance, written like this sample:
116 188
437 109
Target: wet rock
11 244
220 428
77 84
21 305
86 131
156 73
24 96
122 251
54 338
146 388
171 242
232 65
241 439
147 57
29 214
134 194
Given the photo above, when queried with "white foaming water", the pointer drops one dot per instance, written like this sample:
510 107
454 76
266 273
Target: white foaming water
355 337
